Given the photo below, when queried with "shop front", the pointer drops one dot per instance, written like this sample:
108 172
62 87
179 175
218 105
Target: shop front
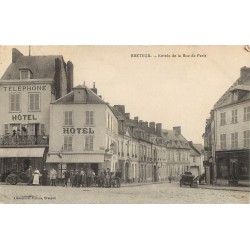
75 162
19 159
232 166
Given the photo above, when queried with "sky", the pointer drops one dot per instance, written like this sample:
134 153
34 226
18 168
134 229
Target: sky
167 87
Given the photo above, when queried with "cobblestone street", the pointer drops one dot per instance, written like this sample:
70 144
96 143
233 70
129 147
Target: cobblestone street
162 193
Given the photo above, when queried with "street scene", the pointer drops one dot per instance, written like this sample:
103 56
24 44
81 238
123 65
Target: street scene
158 193
125 124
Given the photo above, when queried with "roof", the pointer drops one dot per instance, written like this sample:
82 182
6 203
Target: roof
92 98
239 84
197 149
42 67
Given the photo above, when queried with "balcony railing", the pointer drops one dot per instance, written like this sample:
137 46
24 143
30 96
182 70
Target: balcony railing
8 140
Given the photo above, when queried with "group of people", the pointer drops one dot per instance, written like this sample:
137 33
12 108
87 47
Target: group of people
88 178
74 178
43 178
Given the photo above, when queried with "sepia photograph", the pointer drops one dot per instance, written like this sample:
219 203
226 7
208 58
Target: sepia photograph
124 124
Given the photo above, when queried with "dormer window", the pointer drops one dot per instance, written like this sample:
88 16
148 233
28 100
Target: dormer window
25 74
235 96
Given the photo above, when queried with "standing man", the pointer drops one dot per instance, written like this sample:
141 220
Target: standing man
44 176
53 176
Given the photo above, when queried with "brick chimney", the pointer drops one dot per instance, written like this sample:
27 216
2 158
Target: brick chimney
177 130
136 119
140 122
244 72
145 124
70 76
120 108
16 54
152 125
94 89
158 128
127 116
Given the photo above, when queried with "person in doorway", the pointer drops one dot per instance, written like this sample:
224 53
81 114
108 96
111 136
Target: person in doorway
44 176
66 178
36 177
30 175
53 176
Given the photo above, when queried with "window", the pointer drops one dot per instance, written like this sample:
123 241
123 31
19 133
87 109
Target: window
24 74
42 129
67 145
223 141
34 101
247 113
89 118
68 118
234 116
6 129
234 140
15 105
89 142
247 138
223 118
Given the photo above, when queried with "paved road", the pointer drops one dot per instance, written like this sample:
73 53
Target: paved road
164 193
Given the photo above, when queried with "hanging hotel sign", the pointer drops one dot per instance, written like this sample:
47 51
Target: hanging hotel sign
78 131
23 118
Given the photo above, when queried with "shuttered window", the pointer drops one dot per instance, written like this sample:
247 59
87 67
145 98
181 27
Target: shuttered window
6 129
15 105
34 101
68 118
89 143
68 141
89 118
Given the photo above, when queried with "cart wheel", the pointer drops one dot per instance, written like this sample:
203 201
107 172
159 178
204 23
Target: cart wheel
14 181
9 180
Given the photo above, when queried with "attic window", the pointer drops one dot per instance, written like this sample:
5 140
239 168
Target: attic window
235 96
25 74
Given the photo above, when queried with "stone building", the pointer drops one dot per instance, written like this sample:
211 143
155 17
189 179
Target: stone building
84 134
148 153
27 88
196 157
231 132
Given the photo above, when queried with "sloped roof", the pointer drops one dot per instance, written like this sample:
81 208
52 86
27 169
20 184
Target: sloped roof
240 84
42 67
92 98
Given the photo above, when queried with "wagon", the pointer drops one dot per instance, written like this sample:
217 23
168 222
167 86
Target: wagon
189 179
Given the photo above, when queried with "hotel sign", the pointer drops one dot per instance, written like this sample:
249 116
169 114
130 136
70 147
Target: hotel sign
78 131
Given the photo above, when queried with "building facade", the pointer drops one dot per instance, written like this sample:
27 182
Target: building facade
196 158
27 88
148 153
231 132
84 134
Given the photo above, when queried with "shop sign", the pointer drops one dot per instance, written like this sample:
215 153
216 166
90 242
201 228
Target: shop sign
23 117
78 131
25 88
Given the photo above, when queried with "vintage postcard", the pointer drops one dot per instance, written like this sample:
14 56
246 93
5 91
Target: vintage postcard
124 124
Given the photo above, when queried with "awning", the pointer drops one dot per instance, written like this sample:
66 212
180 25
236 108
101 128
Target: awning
21 152
75 158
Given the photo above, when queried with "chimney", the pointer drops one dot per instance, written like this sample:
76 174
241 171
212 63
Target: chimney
177 130
158 128
70 76
152 125
145 124
94 89
120 108
140 122
127 116
244 72
16 54
136 119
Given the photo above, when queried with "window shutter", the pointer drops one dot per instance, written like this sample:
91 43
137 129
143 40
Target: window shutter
86 143
87 117
17 102
6 128
91 142
91 117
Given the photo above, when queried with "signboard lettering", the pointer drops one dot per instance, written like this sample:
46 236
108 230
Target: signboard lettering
78 131
25 88
23 118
